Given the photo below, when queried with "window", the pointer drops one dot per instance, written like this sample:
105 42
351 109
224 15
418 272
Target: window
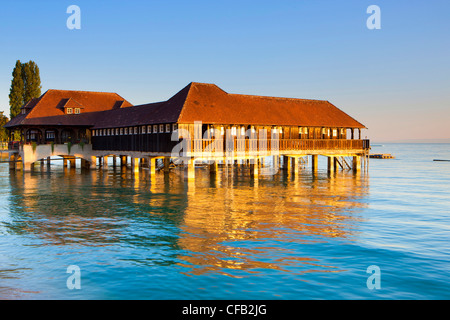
69 110
281 130
233 131
161 128
175 127
109 132
49 135
149 129
126 130
117 131
155 128
334 132
77 110
143 129
242 131
23 111
121 131
167 127
222 131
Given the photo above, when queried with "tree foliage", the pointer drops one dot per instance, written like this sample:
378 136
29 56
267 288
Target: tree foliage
17 90
3 132
31 81
25 85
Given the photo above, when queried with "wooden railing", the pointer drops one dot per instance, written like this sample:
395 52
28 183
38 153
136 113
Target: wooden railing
261 145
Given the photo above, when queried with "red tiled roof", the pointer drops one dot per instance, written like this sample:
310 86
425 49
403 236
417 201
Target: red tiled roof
52 102
210 104
196 102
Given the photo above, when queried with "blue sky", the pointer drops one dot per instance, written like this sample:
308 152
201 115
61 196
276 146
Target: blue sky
394 80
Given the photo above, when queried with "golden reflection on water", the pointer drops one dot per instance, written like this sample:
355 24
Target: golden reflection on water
224 225
226 222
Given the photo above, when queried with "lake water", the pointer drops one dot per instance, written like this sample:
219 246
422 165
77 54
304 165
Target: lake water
229 236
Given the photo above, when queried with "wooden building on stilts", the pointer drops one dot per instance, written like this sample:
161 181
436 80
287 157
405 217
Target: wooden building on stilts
200 124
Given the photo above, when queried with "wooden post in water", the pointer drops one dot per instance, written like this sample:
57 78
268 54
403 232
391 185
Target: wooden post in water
123 161
294 165
166 164
191 170
356 163
152 165
135 164
254 171
105 163
331 164
213 167
314 162
72 163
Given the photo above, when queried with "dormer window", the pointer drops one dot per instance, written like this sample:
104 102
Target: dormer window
69 110
24 111
77 110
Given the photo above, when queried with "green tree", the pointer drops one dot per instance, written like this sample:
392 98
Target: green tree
31 81
3 132
17 91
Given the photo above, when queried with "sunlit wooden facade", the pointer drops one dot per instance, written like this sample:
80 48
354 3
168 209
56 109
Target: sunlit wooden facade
201 119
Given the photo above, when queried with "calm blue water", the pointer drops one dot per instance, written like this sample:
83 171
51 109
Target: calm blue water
230 237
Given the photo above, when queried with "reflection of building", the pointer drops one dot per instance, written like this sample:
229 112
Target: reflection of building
213 124
203 225
246 229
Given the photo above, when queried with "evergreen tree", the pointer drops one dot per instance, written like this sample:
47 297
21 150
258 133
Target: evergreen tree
31 81
16 92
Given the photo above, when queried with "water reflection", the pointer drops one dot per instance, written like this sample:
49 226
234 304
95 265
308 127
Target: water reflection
225 223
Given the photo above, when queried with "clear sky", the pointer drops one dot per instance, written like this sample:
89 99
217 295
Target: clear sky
395 80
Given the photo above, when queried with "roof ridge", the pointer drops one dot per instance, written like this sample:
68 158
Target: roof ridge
88 91
189 87
276 98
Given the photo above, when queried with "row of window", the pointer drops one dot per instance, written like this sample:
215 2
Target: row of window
168 128
161 128
73 110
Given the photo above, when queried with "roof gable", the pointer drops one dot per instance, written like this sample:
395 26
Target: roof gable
210 104
53 103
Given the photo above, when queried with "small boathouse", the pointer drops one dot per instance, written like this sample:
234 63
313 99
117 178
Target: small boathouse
200 124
